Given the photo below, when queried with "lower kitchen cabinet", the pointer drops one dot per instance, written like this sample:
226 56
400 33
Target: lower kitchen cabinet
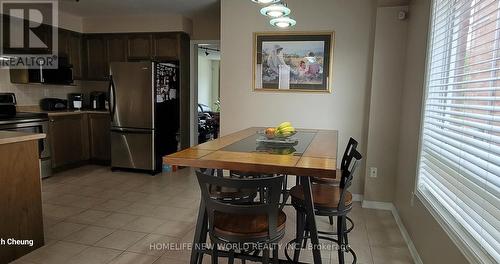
68 139
76 139
100 138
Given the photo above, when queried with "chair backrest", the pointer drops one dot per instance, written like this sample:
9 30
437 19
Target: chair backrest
352 144
266 205
347 174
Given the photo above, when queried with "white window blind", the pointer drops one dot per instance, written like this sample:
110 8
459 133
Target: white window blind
459 164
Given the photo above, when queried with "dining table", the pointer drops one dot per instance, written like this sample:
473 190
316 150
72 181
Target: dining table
313 155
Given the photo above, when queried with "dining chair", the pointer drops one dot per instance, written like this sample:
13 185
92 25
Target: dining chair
352 144
329 200
257 224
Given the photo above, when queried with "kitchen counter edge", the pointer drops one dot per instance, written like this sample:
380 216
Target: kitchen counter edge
8 137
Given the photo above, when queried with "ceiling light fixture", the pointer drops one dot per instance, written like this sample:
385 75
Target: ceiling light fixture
283 22
276 10
265 2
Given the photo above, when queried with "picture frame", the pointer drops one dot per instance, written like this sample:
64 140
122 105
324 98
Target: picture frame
293 61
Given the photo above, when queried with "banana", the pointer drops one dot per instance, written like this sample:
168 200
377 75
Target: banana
283 125
287 129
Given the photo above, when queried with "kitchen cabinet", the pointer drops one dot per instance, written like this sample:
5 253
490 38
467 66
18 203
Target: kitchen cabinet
68 139
70 46
96 63
100 137
117 48
63 42
75 54
140 46
166 46
20 196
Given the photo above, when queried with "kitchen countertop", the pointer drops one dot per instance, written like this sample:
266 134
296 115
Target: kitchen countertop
73 112
7 137
36 109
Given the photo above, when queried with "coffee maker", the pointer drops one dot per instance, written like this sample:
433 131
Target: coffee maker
98 100
75 100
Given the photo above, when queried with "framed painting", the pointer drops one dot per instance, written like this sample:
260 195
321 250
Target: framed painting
293 61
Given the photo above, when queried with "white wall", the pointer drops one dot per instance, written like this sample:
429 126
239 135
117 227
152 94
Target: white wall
215 83
345 109
204 80
70 22
387 81
208 79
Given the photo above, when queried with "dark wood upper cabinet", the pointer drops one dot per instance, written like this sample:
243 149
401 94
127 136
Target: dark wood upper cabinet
166 46
117 48
75 54
63 42
96 63
70 46
140 46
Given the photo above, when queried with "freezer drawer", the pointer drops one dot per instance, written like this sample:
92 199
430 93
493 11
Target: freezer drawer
132 149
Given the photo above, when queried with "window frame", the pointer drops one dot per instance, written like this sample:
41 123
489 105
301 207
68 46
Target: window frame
447 226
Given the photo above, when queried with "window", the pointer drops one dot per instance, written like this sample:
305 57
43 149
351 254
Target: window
459 162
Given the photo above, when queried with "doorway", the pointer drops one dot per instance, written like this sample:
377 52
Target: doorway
205 84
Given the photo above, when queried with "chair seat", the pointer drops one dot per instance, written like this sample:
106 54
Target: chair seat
251 226
324 196
331 181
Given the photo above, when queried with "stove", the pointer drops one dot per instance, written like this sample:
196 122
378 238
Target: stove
11 120
21 117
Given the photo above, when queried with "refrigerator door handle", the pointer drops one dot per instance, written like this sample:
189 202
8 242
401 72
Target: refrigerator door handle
112 97
131 130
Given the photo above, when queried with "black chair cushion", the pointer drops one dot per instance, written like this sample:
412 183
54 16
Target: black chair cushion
324 196
251 226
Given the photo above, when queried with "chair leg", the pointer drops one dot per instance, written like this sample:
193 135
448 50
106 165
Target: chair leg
215 257
340 237
265 256
231 257
346 239
299 234
331 220
276 254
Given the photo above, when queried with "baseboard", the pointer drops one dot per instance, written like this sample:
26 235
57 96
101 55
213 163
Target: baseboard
404 233
377 205
357 197
413 250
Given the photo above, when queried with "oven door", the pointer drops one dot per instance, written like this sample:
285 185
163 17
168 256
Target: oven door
43 145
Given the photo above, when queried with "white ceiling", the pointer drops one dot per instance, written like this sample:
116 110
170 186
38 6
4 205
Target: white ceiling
99 8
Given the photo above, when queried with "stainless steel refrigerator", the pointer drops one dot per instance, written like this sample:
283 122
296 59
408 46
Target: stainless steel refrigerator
144 108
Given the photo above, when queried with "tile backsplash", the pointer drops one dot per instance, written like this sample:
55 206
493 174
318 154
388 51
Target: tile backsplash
30 94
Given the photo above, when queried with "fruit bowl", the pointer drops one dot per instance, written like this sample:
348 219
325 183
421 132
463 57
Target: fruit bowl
283 131
285 135
278 136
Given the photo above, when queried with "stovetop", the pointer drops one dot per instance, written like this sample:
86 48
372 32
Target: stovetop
22 117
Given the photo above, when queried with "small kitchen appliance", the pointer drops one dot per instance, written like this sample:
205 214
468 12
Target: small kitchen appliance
53 104
98 100
75 100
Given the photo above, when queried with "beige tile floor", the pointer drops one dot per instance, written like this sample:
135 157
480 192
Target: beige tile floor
93 216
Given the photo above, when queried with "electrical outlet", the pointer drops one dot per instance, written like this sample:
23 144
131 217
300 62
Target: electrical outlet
373 172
